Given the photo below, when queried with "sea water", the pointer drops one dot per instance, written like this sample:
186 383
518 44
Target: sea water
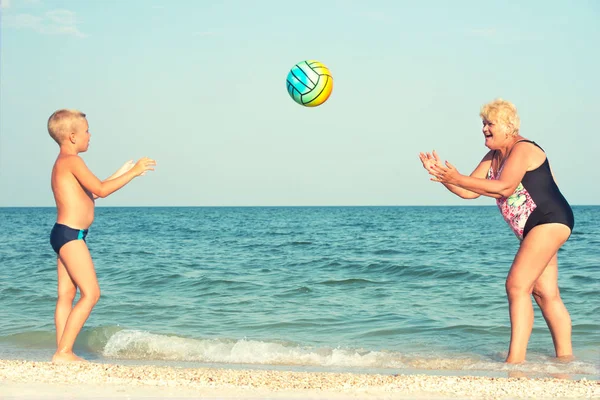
361 289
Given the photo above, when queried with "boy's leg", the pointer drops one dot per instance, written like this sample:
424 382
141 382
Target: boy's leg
64 303
547 296
534 255
76 258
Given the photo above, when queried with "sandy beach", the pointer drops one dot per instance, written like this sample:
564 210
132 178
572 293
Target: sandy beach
43 380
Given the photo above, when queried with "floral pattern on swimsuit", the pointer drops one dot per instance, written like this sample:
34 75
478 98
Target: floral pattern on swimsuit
516 208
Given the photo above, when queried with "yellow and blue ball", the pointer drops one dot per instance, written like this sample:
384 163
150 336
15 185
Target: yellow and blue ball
309 83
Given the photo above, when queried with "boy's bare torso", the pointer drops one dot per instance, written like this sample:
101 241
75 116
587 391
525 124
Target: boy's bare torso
74 204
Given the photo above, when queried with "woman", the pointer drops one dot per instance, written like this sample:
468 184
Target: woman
517 174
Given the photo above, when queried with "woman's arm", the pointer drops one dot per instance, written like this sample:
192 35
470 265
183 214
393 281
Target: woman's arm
481 171
514 169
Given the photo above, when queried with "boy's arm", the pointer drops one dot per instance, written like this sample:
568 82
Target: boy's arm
102 189
124 168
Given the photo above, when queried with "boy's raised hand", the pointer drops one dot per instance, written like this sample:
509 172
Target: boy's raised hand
142 165
125 168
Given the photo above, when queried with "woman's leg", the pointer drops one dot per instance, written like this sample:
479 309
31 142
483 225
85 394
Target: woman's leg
534 255
547 296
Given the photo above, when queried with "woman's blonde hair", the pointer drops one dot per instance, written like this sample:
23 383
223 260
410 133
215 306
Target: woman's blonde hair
60 123
502 111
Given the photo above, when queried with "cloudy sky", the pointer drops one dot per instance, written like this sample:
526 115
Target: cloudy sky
200 87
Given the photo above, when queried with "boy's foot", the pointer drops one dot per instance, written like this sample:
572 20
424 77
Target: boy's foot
58 358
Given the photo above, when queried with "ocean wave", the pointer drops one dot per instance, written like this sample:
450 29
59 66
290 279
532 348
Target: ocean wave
141 345
386 252
301 290
349 281
423 271
117 343
93 339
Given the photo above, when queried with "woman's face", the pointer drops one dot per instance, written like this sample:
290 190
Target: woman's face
495 132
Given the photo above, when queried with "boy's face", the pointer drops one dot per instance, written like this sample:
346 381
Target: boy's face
82 135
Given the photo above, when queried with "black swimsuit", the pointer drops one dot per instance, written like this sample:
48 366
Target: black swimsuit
63 234
536 200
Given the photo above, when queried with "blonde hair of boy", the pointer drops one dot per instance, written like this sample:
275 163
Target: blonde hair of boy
61 123
504 112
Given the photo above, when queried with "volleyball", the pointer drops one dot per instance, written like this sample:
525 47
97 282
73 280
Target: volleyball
309 83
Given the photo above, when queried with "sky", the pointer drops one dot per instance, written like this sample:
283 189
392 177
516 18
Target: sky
200 87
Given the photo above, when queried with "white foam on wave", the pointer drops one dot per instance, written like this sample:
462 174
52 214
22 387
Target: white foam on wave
141 345
133 344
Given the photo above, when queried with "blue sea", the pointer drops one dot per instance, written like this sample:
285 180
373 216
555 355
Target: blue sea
389 290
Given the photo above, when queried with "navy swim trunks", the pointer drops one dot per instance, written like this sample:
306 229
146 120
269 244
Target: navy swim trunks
62 234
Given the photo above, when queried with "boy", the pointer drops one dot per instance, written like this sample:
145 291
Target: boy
75 188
